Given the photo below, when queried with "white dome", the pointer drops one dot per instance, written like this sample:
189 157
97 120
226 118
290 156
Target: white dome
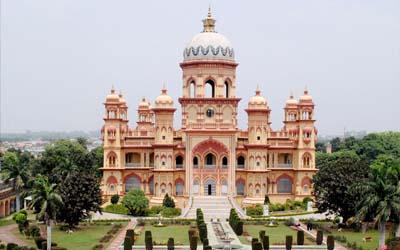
209 45
164 100
305 97
257 101
291 101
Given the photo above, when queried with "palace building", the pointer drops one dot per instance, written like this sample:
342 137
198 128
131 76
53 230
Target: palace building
209 154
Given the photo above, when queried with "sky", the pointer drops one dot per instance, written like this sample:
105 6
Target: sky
59 59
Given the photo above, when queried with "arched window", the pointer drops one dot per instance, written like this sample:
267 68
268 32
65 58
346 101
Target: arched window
195 162
192 89
241 162
209 89
179 187
151 185
226 89
306 160
112 159
132 182
284 185
151 159
210 160
179 162
224 162
240 187
132 160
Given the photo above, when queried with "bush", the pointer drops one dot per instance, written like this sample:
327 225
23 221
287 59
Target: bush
148 239
266 200
300 237
330 242
128 243
289 242
154 210
39 241
136 202
205 243
171 212
116 209
289 222
254 211
34 231
170 244
265 242
202 231
168 201
258 246
98 247
253 243
114 199
12 246
193 242
320 237
235 222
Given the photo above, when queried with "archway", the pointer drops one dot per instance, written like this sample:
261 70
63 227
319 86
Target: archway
209 187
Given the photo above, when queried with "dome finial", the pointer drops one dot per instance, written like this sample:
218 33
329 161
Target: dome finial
209 22
112 89
291 94
306 90
164 89
258 91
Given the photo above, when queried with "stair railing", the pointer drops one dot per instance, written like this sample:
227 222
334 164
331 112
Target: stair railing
237 207
187 209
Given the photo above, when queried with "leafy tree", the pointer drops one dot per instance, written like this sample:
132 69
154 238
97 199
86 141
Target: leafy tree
79 200
168 201
333 182
17 172
96 158
82 141
136 202
114 199
320 147
382 194
335 143
45 197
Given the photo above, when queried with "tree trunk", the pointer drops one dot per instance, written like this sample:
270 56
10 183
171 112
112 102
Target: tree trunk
382 231
17 201
48 234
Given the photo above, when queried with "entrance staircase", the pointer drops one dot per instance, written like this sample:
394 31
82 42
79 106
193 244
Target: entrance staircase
213 207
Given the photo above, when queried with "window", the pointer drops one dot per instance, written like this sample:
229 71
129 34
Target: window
163 137
284 185
192 89
224 162
210 113
226 89
179 162
258 164
240 187
258 138
163 163
151 185
210 160
132 182
240 162
195 162
179 188
209 89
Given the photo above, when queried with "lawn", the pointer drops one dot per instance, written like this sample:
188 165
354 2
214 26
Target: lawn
277 235
161 234
85 237
357 237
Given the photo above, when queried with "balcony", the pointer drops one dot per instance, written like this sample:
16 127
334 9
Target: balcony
284 165
180 166
210 166
133 164
240 166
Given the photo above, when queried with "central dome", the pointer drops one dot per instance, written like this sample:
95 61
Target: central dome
209 45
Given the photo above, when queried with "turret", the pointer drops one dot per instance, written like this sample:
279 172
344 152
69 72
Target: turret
258 119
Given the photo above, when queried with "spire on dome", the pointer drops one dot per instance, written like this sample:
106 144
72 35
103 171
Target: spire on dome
258 91
306 90
209 22
112 89
164 89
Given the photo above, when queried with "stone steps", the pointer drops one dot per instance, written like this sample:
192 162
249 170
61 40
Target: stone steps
213 207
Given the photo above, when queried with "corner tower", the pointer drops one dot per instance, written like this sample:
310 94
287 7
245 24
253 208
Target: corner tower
209 112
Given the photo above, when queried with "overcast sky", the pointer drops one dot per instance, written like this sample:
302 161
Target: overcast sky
59 59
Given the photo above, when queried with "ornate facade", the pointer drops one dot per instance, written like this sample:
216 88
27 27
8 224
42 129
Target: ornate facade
209 155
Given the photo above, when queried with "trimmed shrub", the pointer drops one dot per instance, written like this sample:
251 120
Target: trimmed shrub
235 222
330 242
254 211
266 200
205 243
170 244
148 239
202 231
261 235
98 247
300 237
258 246
154 210
33 231
171 212
168 201
265 242
12 246
192 232
193 242
208 248
289 242
114 199
253 243
39 241
320 237
116 209
128 243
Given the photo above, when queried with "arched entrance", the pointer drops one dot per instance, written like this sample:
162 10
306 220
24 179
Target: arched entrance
209 187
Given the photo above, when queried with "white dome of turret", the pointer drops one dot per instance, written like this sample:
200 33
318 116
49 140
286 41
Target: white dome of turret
257 101
164 100
209 45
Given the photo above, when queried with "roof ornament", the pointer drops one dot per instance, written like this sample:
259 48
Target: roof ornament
112 89
209 22
306 90
258 91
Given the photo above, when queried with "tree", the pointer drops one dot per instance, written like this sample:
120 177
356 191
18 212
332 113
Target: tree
382 194
136 202
79 200
96 158
114 199
333 182
16 172
168 201
45 196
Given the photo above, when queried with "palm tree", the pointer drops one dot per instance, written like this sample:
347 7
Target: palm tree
46 198
381 195
15 172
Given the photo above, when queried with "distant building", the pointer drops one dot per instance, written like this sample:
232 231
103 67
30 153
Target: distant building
209 155
7 199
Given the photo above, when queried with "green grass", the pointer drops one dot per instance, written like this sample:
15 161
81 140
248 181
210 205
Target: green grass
357 237
84 237
277 235
161 234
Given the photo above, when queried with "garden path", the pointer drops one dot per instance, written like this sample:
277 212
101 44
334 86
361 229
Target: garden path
313 233
6 235
117 242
